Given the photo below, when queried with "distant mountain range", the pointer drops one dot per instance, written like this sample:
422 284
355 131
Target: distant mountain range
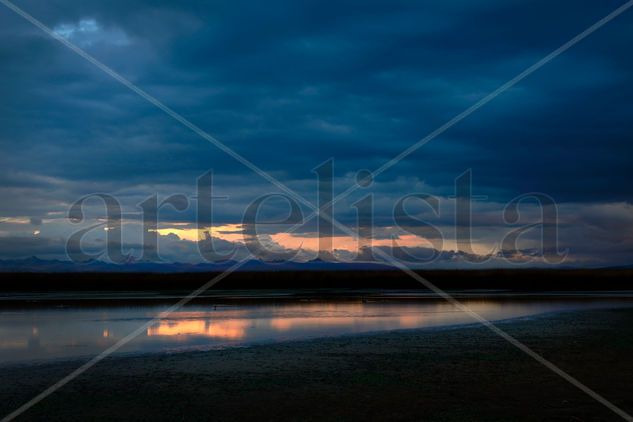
38 265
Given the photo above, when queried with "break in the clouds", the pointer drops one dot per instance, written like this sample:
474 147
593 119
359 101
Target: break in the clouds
289 85
87 32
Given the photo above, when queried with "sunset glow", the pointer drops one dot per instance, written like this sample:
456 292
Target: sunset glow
233 329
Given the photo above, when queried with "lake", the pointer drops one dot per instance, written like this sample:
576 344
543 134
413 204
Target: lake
46 328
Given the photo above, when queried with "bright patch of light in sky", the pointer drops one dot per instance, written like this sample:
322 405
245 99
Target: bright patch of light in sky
88 32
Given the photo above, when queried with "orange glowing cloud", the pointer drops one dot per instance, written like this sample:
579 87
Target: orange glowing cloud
348 243
228 232
235 233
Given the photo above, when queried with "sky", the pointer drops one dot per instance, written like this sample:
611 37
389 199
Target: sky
291 85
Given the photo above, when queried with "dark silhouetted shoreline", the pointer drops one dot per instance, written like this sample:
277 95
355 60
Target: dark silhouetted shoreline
516 280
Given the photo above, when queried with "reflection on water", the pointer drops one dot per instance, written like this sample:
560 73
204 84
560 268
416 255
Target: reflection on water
65 332
234 330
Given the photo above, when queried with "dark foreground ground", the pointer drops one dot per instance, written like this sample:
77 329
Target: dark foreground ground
451 374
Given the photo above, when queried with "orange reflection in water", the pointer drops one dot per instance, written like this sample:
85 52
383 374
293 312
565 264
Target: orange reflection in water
285 324
234 329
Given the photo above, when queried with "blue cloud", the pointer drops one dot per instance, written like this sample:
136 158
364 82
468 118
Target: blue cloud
289 85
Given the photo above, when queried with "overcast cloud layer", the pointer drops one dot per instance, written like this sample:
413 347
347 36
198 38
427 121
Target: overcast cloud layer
291 84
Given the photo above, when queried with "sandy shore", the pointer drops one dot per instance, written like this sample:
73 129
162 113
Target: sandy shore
449 374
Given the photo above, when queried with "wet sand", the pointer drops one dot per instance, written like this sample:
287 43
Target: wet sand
465 373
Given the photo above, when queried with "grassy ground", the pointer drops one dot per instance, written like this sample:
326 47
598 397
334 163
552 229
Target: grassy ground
451 374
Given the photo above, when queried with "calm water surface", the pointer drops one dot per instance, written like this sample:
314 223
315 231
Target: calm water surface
54 332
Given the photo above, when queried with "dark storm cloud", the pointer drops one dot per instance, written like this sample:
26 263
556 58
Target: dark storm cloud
290 84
